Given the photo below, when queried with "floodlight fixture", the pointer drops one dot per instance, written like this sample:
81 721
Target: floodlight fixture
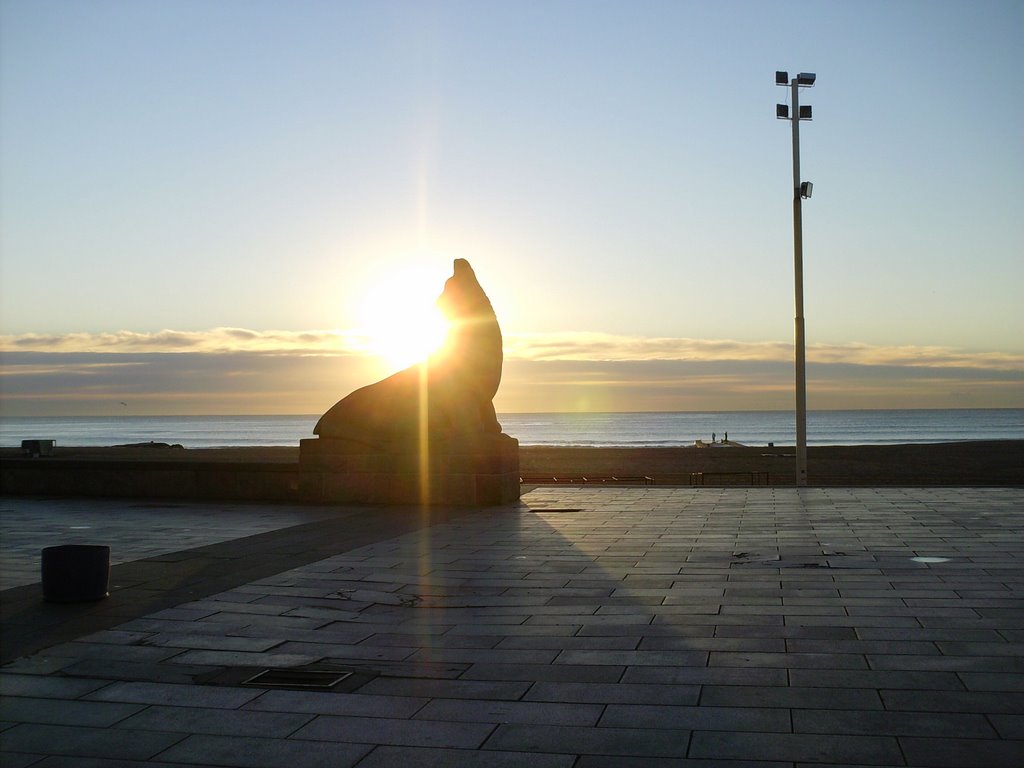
782 111
805 78
805 112
805 190
781 78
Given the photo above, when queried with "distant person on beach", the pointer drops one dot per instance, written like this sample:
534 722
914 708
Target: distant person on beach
726 438
713 436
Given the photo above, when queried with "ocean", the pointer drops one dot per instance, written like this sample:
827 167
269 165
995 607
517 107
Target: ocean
631 430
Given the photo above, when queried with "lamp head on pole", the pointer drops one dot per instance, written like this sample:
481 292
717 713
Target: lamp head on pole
802 80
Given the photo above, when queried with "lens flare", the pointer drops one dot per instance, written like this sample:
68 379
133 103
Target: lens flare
401 323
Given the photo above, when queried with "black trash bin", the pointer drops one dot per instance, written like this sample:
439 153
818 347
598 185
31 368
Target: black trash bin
76 572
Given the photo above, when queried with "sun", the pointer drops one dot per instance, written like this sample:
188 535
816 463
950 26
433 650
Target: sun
400 321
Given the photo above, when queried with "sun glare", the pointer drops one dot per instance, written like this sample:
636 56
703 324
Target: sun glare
400 320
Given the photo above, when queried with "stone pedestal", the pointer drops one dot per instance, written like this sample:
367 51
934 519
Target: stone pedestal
483 471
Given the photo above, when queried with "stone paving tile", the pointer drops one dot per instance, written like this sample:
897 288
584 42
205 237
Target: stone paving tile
593 620
152 672
650 630
963 753
93 762
213 607
790 697
788 660
521 712
870 750
41 686
888 723
992 681
248 752
891 647
81 650
952 648
342 633
267 624
742 644
12 760
706 675
570 673
344 651
331 703
207 658
561 642
216 721
790 632
415 642
409 733
634 658
150 625
604 761
948 663
86 742
116 637
175 695
1008 726
95 714
857 622
404 757
613 693
855 678
703 718
486 656
447 689
592 741
953 701
210 642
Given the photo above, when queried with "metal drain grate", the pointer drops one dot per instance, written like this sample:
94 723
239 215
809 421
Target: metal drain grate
308 679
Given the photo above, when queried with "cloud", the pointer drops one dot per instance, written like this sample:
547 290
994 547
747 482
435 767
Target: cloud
609 347
586 346
237 370
703 385
215 340
177 382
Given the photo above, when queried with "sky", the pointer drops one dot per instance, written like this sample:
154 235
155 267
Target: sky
229 207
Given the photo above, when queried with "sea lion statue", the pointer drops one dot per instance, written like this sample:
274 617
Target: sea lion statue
450 394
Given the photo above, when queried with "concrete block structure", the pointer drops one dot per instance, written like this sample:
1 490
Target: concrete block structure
481 472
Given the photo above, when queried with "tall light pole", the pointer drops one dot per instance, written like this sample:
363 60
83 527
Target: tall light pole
801 189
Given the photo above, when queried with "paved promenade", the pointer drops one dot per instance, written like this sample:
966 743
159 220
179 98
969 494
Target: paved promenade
581 628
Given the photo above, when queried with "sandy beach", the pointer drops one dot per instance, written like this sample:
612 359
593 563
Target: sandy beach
967 463
976 463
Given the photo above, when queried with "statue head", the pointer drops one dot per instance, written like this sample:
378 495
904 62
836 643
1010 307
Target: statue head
463 298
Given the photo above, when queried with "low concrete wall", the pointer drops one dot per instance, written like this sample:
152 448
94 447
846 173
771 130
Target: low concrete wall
158 479
481 472
250 481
